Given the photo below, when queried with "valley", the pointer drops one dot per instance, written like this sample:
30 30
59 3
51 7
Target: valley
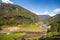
18 23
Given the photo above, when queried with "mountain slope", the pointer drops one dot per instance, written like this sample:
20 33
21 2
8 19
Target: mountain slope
44 18
55 22
11 14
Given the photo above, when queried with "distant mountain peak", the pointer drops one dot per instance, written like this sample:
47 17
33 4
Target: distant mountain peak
44 18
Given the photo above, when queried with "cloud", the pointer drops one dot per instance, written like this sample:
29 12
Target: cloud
48 13
43 13
57 10
7 1
51 13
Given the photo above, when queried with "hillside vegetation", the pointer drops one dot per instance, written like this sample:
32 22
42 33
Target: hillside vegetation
11 14
11 36
55 23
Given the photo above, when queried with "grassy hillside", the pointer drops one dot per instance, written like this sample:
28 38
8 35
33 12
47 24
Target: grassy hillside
11 14
11 36
55 23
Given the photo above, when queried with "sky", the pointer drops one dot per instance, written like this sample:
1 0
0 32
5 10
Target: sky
39 7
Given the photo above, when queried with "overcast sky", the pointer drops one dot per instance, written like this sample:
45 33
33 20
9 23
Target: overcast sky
40 7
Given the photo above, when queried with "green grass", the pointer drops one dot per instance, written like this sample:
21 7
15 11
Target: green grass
51 34
11 36
32 26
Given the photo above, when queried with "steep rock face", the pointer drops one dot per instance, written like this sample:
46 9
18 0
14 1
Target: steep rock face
14 14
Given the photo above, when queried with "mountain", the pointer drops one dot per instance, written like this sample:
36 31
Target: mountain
55 22
44 18
55 18
11 14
